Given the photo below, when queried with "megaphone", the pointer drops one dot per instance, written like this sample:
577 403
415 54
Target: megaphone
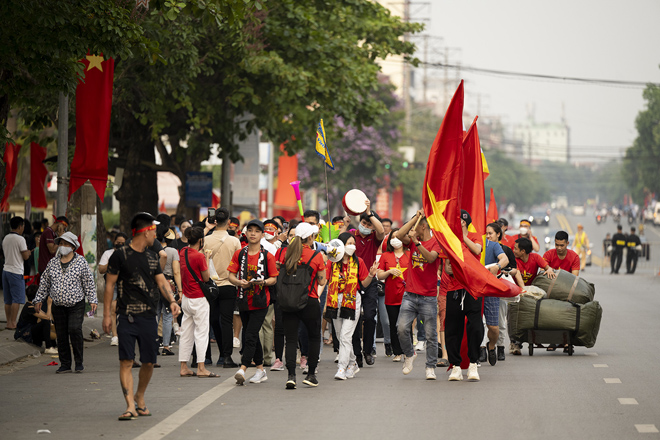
335 250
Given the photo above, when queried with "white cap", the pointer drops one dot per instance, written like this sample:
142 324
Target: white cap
304 230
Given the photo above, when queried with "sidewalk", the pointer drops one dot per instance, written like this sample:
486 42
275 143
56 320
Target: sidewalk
12 350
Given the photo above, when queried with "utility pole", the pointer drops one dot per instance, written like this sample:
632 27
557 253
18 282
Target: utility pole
225 186
407 104
62 155
271 175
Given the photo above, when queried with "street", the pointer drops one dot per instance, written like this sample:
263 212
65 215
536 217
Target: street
609 391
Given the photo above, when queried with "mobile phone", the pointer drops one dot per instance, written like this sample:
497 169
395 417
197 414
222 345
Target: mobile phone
285 226
211 215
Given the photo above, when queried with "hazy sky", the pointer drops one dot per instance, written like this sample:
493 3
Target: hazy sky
604 39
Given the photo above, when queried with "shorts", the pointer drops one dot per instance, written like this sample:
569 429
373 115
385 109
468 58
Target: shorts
13 288
492 310
144 329
442 312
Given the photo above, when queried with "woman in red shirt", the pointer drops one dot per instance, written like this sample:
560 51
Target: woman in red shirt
196 309
299 252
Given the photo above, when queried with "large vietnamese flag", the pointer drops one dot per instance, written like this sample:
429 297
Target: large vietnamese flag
441 198
11 170
93 105
492 214
473 198
38 174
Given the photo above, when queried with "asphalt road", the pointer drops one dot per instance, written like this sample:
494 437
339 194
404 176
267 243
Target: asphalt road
546 396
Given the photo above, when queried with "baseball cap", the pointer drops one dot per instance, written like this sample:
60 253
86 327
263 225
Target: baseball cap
304 230
466 216
69 237
256 223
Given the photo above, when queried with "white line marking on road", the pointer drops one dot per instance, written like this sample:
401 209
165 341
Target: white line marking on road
627 401
643 429
612 380
600 366
184 414
591 354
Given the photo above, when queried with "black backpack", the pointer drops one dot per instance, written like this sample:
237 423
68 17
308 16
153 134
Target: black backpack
293 289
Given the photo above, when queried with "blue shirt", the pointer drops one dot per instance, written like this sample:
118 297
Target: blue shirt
493 250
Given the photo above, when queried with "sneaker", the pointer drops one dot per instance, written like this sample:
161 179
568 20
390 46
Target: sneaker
341 374
369 359
278 365
420 346
388 350
408 364
478 364
352 370
237 343
229 363
483 354
311 381
114 340
492 357
80 368
397 358
240 377
456 373
63 369
168 352
291 382
500 353
259 376
430 374
473 373
53 350
303 363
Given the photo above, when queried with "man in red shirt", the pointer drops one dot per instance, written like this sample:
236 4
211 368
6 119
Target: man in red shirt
47 246
528 263
525 231
561 257
420 299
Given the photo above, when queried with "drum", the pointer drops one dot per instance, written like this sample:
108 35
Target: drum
353 202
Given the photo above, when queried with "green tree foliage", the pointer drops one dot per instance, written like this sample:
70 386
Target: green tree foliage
514 182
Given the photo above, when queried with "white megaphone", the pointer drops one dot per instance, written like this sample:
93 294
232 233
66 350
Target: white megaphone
335 250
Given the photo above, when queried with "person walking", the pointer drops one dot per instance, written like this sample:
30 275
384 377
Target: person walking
67 280
618 244
172 273
632 242
581 245
120 241
16 253
139 278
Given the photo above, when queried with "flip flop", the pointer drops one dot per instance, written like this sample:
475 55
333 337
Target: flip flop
443 363
188 375
142 412
551 347
209 375
128 416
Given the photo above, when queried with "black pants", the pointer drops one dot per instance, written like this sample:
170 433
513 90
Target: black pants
367 324
455 321
393 315
252 321
41 333
222 321
617 258
68 326
631 261
278 332
310 317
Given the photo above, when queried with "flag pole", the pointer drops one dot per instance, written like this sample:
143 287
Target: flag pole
327 194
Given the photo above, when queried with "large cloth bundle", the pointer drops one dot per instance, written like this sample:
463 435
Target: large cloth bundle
583 320
566 287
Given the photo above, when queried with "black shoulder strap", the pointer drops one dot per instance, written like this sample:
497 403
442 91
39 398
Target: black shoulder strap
265 254
537 312
192 272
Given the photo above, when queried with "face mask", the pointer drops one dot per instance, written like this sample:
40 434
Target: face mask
349 249
119 245
523 231
396 243
65 250
269 235
364 230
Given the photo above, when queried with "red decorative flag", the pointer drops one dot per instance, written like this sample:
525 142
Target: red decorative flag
492 215
38 175
473 198
93 105
441 198
11 169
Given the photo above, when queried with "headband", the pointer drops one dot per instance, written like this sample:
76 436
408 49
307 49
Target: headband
145 229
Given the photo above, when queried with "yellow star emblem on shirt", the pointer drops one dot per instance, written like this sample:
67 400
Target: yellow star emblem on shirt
438 222
94 61
400 269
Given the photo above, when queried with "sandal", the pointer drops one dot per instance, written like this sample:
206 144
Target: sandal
442 363
208 375
142 412
188 375
128 416
551 347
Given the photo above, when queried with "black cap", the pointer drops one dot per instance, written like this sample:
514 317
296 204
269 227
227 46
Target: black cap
502 221
466 216
256 223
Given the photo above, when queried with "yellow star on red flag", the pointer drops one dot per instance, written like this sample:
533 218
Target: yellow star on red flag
438 223
400 269
95 61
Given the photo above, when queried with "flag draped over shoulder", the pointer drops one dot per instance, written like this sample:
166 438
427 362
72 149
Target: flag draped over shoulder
11 169
38 174
93 106
321 146
473 199
492 214
441 198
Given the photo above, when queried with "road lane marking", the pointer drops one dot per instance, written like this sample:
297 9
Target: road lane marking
600 366
627 401
184 414
645 429
612 380
591 353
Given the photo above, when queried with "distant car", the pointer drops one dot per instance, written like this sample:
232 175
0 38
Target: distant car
578 210
539 218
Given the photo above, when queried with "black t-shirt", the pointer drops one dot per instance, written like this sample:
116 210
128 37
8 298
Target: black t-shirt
137 291
618 241
178 244
27 315
512 258
632 241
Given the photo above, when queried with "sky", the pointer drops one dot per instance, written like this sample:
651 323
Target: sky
604 39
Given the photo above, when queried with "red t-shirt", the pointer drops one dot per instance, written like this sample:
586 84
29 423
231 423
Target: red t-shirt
47 237
198 264
529 270
363 272
367 247
448 283
570 262
394 286
383 246
316 264
422 275
252 268
510 240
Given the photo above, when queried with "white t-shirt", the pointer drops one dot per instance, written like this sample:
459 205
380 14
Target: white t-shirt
268 246
172 255
12 245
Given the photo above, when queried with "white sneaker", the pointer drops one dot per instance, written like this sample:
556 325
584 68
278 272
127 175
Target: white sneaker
52 350
397 358
240 377
430 373
408 364
420 346
341 374
114 340
456 373
352 370
237 343
473 372
259 376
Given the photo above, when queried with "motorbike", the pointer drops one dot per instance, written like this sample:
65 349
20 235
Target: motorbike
631 219
600 218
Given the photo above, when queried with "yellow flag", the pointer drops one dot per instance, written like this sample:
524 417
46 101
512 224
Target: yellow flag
321 147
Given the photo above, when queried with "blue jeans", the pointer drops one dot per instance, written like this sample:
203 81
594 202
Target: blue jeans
425 308
167 322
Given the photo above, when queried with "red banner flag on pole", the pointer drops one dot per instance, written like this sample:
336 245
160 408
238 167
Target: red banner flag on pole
492 215
441 198
473 198
93 106
38 175
11 169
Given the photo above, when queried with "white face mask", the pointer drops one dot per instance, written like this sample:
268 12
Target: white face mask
269 236
523 231
396 243
65 250
349 249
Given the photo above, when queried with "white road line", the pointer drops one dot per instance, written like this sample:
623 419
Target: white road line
627 401
591 353
600 366
612 380
184 414
644 429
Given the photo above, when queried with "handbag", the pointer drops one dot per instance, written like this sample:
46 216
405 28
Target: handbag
209 288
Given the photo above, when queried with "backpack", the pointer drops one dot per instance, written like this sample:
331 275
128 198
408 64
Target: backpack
293 289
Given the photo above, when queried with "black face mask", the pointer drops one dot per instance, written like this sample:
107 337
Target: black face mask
119 246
